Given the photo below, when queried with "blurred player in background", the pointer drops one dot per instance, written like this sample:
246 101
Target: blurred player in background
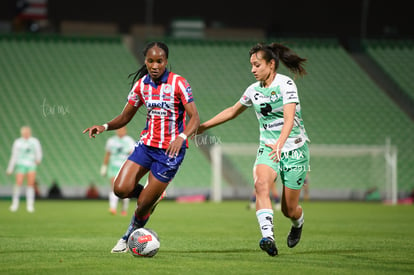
160 151
274 195
25 157
118 148
283 145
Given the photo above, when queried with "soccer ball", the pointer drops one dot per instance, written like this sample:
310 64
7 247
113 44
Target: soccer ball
143 242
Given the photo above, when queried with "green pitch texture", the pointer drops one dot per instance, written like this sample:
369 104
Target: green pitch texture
75 237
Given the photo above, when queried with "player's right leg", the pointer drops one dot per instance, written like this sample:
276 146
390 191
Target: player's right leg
30 191
263 178
126 185
16 192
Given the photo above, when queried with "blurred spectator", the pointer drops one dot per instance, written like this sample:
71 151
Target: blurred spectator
54 191
92 192
118 148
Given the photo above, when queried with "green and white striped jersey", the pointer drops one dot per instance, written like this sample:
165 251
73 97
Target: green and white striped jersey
119 148
268 104
26 152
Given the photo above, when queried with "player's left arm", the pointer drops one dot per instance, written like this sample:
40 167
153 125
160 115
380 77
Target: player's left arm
38 152
190 128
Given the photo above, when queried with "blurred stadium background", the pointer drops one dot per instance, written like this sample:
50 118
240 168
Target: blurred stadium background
64 66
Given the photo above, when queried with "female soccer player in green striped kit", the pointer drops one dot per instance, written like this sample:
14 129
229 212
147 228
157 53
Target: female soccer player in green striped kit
283 148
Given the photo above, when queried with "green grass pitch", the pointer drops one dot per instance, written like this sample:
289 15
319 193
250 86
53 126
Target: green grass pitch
75 237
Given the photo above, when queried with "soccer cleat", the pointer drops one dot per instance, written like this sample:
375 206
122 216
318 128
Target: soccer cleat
112 211
120 247
268 244
124 213
14 208
30 209
294 236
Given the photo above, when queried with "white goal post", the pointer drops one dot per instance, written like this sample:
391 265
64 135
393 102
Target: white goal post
387 151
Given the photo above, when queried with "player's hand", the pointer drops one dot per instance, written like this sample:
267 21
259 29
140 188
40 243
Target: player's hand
94 130
200 130
103 170
276 152
175 147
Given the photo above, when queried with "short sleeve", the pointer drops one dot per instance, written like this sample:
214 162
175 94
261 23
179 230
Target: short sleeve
186 94
133 97
246 99
289 92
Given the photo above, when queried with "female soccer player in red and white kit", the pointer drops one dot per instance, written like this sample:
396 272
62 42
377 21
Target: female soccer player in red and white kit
161 148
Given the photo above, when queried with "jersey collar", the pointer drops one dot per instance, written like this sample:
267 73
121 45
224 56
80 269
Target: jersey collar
163 79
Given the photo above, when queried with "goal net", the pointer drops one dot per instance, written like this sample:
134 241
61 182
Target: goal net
336 172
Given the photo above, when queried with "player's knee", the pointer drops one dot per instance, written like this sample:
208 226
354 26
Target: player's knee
120 192
261 186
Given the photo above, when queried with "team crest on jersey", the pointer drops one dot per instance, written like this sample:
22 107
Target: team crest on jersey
274 96
166 89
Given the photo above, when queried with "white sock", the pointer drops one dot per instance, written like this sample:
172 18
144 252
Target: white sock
16 196
125 204
299 222
113 200
265 219
30 197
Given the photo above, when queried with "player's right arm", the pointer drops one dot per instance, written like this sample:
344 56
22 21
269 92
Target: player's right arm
13 158
119 121
225 115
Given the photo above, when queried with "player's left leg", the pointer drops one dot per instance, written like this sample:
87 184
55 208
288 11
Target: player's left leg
113 199
30 191
125 205
294 168
292 210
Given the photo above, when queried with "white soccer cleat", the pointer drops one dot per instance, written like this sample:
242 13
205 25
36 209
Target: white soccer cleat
120 247
13 208
30 209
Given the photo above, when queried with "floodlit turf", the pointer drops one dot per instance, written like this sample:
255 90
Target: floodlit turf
75 237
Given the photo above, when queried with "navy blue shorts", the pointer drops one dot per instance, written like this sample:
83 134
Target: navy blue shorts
157 161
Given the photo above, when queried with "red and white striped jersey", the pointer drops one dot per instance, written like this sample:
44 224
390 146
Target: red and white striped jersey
165 102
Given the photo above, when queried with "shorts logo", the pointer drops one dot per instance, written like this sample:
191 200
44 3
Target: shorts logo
172 161
163 175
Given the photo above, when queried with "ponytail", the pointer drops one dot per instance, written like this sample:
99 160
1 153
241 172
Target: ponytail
276 51
138 74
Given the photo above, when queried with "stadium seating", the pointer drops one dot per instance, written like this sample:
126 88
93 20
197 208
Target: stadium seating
396 57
